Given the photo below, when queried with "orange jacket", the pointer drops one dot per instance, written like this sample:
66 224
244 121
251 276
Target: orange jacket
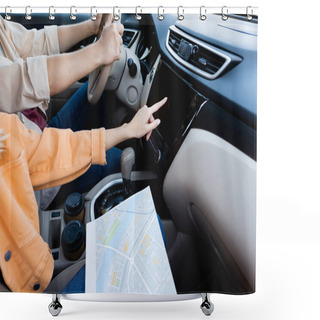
31 161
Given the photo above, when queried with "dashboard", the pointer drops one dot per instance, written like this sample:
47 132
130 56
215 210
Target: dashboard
235 88
208 71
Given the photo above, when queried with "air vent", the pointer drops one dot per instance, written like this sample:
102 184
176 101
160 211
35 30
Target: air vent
128 37
198 56
174 41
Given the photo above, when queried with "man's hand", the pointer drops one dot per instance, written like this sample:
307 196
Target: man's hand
96 24
66 69
110 41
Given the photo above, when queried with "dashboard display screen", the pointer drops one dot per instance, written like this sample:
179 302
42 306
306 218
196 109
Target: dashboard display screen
175 111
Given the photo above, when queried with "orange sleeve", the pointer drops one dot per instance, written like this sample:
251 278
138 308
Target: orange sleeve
57 156
61 155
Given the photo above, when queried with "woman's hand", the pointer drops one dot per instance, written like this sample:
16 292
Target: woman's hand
143 122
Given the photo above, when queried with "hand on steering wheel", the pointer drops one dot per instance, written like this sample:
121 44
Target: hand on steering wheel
110 39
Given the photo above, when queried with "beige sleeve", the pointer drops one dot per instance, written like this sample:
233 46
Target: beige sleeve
24 81
24 84
33 42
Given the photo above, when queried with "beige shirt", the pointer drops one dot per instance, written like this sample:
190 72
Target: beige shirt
23 67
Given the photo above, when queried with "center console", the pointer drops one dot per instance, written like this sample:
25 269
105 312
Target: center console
62 228
53 223
183 104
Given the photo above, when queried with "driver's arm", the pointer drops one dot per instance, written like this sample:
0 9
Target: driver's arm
66 69
28 81
17 41
69 35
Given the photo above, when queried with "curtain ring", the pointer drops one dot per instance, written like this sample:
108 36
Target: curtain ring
180 13
93 15
160 16
116 16
203 12
249 16
7 17
138 16
73 14
28 13
224 13
51 16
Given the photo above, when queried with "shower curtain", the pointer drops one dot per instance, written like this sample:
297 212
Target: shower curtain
171 210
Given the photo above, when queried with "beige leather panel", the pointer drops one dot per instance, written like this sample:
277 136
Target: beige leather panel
217 179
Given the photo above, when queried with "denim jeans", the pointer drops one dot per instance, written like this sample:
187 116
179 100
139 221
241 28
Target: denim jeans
78 114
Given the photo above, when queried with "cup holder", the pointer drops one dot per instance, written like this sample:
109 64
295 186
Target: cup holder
107 194
110 198
110 191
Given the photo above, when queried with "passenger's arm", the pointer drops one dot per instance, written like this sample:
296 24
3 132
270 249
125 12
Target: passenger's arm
142 124
3 137
60 156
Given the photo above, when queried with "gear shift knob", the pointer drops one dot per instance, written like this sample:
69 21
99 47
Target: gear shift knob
127 162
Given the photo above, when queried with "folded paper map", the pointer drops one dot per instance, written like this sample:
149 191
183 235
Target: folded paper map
125 251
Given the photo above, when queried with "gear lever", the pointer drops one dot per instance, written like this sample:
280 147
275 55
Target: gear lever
127 162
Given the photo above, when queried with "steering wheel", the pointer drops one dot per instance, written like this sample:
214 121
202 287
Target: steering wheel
97 81
123 77
98 78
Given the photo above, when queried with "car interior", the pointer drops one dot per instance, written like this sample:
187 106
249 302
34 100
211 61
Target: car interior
200 163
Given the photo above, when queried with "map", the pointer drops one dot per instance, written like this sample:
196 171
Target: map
126 252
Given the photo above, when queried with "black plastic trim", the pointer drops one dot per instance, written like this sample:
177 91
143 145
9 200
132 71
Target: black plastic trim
214 119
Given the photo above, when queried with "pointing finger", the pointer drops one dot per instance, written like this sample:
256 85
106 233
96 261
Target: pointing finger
158 105
149 133
152 126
